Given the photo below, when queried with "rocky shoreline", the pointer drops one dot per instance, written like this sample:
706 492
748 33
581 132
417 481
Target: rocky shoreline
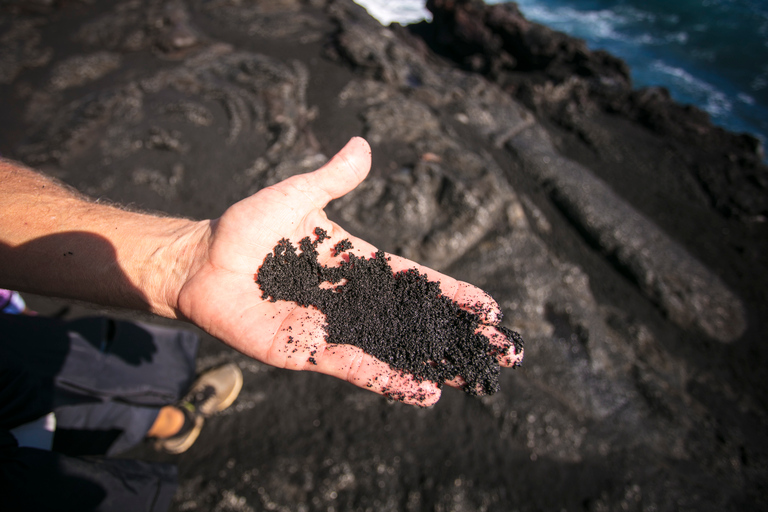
624 235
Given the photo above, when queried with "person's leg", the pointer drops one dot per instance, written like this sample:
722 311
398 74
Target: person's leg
47 365
107 380
168 423
112 427
33 479
135 363
101 428
131 372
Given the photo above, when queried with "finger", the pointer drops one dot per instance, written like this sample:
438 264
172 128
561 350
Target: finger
363 370
507 352
457 382
345 171
464 294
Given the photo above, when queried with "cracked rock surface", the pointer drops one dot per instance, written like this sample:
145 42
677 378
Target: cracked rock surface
623 235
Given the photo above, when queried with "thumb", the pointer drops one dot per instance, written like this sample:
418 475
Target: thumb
345 171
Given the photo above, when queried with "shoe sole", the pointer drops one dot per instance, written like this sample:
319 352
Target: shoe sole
185 445
232 396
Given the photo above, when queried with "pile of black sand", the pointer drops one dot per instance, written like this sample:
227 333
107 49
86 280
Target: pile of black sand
400 318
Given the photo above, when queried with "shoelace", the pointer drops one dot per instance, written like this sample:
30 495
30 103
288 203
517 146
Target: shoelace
200 398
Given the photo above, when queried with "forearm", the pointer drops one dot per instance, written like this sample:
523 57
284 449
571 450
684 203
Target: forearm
55 242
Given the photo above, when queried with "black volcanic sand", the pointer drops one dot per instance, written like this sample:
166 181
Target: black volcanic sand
400 318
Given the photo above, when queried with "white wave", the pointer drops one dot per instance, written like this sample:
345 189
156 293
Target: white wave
599 24
760 81
401 11
602 24
605 25
746 98
703 93
655 40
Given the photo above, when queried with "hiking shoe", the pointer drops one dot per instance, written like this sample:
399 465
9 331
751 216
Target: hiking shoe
213 391
186 437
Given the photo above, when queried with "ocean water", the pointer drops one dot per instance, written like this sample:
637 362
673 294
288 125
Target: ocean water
709 53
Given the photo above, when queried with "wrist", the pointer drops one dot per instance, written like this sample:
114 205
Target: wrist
182 250
56 242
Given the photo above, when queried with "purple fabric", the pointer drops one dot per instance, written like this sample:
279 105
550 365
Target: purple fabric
11 302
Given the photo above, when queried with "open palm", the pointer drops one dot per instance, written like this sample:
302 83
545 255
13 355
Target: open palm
222 297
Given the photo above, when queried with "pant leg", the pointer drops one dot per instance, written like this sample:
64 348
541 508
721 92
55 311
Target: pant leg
130 362
33 479
102 428
135 369
32 352
105 379
47 364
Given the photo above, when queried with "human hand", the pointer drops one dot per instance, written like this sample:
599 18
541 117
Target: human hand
221 296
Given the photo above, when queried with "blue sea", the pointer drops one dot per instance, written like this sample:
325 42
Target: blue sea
709 53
